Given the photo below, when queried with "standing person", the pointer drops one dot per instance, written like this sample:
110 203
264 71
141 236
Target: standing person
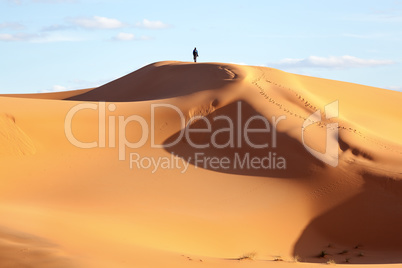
195 54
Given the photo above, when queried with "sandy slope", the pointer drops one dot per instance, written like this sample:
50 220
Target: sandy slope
64 206
50 95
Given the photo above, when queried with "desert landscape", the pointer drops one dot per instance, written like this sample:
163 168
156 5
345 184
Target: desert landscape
181 164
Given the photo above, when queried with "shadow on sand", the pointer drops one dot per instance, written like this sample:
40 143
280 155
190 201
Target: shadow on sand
364 229
285 159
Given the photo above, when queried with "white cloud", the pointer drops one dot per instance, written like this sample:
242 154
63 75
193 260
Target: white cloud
331 62
130 37
145 37
242 63
11 25
56 27
367 36
36 38
55 38
97 22
55 88
124 37
58 88
151 24
18 2
16 37
54 1
388 13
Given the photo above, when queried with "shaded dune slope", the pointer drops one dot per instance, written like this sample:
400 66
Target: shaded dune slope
160 81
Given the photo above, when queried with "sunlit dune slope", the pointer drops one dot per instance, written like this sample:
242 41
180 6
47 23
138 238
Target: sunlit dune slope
50 95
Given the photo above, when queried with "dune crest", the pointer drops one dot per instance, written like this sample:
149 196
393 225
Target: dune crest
163 80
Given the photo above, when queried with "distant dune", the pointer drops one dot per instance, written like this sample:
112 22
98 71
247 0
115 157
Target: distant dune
49 95
236 188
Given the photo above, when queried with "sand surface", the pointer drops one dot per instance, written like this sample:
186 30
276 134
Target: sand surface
65 206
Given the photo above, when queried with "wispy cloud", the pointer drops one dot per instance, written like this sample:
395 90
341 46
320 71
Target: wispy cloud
57 27
11 25
16 37
124 37
390 15
55 88
97 22
129 37
19 2
58 88
37 38
52 33
54 1
331 62
367 36
53 38
148 24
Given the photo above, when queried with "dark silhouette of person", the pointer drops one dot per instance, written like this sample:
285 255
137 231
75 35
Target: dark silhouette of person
195 54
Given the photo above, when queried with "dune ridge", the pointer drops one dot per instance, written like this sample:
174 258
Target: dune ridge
104 212
50 95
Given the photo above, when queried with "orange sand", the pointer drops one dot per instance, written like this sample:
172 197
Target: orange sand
64 206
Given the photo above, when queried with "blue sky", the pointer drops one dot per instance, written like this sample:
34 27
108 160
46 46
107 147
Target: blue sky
53 45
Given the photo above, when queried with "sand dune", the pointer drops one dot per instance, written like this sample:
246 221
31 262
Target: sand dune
111 206
156 81
50 95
